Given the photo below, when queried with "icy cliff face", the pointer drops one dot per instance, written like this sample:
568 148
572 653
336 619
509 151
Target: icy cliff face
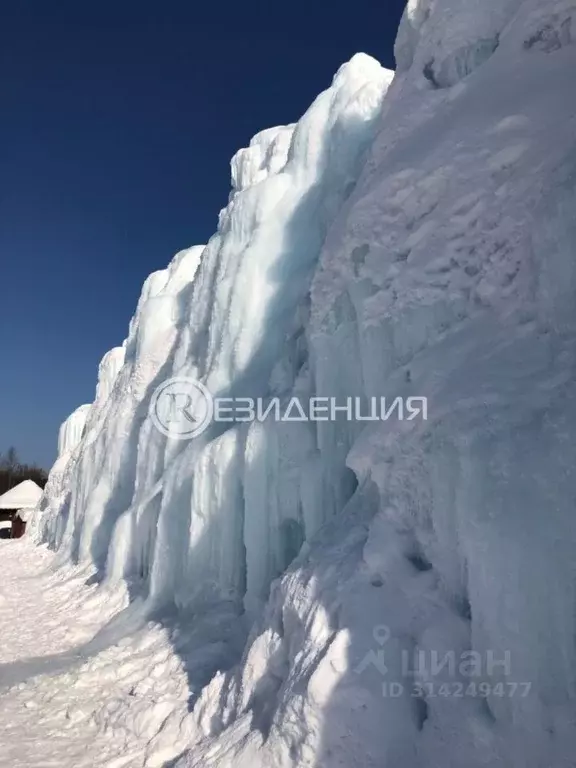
135 496
60 478
416 240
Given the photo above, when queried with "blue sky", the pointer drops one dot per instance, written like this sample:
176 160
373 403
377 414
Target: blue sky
119 120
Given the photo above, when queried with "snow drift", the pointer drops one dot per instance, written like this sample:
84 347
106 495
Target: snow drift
414 237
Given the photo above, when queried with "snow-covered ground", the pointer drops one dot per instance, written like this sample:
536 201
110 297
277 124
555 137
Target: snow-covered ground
412 235
83 681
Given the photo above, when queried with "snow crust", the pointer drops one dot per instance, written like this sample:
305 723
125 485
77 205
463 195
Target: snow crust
406 237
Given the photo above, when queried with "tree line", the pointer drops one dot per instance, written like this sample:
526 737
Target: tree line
13 471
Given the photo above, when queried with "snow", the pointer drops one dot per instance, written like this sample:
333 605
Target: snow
408 236
66 690
24 495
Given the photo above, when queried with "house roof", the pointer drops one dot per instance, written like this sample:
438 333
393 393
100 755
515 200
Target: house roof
23 496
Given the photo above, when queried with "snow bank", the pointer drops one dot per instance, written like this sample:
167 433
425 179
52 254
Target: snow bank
418 244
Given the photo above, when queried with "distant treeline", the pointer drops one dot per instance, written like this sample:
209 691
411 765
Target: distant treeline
13 471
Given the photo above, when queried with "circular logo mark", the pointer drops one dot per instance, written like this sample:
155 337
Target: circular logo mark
181 408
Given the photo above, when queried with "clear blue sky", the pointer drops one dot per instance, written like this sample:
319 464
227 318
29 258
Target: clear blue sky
118 122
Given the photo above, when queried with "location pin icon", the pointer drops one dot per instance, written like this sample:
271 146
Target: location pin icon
381 634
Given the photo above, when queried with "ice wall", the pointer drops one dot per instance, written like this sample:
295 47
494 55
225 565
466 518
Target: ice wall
72 430
421 244
449 274
172 515
49 512
75 433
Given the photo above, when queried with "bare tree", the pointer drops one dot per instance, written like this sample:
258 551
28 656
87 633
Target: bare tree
13 471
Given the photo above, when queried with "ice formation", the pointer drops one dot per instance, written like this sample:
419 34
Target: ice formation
413 236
